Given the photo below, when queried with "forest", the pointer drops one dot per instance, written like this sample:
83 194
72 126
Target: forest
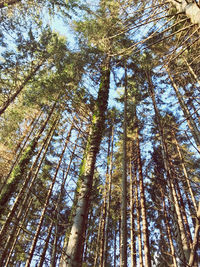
99 133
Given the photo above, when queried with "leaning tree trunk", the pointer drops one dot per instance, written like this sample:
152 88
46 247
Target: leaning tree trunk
36 236
195 243
193 128
185 173
21 87
74 250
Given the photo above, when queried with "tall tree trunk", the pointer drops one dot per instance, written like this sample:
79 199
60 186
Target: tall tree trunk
195 243
169 231
142 200
185 220
139 232
123 258
104 215
183 242
115 248
109 199
74 250
185 173
33 245
42 257
97 248
132 219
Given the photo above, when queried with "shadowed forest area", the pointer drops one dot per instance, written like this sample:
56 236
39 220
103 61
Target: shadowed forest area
99 133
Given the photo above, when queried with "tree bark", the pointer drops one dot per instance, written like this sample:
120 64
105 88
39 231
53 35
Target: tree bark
74 250
123 258
132 219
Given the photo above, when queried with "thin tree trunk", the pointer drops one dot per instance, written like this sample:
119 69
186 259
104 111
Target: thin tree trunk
123 258
132 219
14 235
185 173
109 199
195 243
185 220
97 248
193 128
36 236
142 201
42 257
192 71
23 189
115 249
139 234
74 250
183 242
21 87
169 231
104 215
26 139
